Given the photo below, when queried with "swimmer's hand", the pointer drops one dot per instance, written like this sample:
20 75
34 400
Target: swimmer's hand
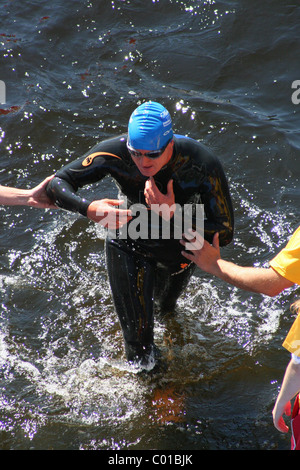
162 204
106 212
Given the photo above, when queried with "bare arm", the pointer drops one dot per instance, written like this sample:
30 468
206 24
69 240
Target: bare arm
290 387
35 197
261 280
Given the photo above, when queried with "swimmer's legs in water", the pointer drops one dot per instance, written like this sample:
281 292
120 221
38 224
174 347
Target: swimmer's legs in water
135 280
169 285
132 282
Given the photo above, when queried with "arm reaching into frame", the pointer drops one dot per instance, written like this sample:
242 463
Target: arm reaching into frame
208 258
36 197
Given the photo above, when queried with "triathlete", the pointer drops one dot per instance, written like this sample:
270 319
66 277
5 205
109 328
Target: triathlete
154 168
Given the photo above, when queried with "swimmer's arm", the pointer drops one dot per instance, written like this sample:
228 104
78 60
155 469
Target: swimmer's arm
260 280
107 213
63 189
64 194
217 205
103 211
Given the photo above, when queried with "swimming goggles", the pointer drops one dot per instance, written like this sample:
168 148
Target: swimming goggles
151 154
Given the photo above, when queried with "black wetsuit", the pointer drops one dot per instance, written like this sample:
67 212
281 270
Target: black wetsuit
145 271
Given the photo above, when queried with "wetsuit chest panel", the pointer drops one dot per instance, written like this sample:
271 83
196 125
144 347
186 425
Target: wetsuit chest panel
197 175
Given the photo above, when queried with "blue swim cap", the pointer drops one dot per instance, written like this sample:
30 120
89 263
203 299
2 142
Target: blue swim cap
149 127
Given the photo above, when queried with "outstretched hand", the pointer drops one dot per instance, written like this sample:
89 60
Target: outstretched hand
202 253
37 197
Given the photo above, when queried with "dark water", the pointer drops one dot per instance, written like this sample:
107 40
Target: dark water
74 71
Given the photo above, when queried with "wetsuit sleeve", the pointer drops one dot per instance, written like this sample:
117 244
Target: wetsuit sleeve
63 188
218 206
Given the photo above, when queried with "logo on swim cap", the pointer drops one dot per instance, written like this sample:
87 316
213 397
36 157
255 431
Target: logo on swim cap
149 127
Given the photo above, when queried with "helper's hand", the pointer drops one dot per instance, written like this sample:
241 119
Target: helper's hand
107 213
37 197
158 201
202 253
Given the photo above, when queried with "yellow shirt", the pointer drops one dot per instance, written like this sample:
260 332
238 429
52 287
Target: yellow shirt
292 340
287 262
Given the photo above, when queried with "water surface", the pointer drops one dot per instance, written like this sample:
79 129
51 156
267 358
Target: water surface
74 71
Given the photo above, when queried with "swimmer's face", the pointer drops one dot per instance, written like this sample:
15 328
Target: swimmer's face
151 166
